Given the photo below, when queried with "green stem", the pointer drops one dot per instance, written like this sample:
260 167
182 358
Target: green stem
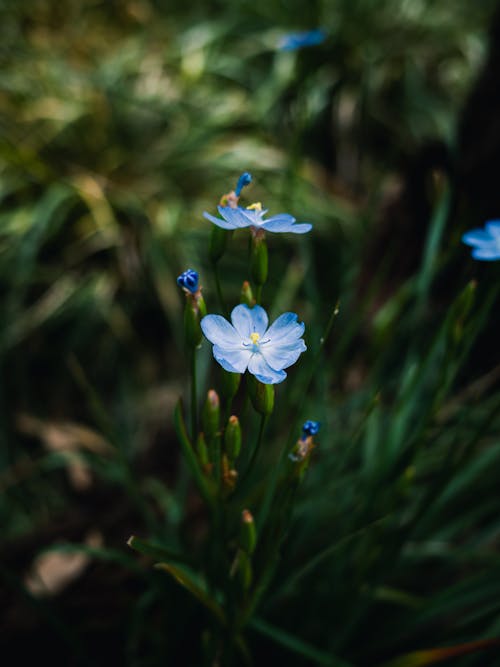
194 402
255 453
215 268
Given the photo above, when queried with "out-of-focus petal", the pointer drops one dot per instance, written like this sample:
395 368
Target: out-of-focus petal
232 360
259 367
477 237
282 356
284 222
220 332
486 254
285 330
493 228
248 320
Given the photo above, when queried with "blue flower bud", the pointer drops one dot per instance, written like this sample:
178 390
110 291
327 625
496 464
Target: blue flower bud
310 428
188 281
243 180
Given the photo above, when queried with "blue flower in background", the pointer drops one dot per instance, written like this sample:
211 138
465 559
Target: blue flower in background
238 218
297 40
310 428
188 281
486 242
248 343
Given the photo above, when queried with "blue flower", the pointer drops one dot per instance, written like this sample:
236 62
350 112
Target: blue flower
297 40
248 343
486 242
188 281
310 428
238 218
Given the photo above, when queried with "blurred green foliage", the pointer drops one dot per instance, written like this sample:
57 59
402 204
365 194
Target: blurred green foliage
120 122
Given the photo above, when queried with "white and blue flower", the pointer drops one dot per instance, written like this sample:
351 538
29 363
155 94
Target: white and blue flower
248 343
486 242
253 217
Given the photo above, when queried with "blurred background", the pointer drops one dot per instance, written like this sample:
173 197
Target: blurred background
120 123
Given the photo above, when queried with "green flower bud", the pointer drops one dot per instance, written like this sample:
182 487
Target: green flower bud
258 259
248 532
244 570
261 395
192 329
246 295
229 384
229 477
232 438
201 450
210 417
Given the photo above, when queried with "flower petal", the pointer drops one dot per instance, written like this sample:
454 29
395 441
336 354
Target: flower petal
486 254
283 222
285 330
493 228
220 332
220 223
282 356
249 320
254 216
234 361
477 237
236 216
259 367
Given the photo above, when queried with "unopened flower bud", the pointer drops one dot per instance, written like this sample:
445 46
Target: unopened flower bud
229 384
192 329
232 438
246 296
188 280
261 395
310 428
195 307
201 450
244 570
248 532
211 415
229 476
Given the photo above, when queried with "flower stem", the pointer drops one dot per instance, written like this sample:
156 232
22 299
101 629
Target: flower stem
215 268
194 403
255 453
258 295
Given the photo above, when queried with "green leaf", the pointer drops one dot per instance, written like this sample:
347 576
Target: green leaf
194 585
297 645
156 551
191 459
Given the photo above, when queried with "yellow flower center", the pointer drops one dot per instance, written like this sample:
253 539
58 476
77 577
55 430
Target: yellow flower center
254 337
255 207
